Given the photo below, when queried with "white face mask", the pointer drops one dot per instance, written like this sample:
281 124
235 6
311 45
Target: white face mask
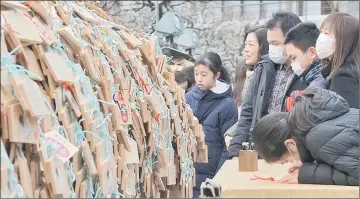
276 54
324 46
296 66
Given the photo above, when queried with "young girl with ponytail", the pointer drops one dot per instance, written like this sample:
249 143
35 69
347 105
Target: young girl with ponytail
211 102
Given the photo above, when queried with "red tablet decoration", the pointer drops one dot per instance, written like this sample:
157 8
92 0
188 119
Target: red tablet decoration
124 113
62 151
120 96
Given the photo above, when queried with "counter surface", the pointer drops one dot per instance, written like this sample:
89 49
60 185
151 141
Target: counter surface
237 184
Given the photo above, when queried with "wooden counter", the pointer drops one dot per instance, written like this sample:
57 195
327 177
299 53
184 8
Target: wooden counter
237 184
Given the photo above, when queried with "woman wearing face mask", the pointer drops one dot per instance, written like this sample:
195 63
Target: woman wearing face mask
212 104
321 127
338 44
255 46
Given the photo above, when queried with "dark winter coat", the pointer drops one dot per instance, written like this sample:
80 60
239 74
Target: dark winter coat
345 82
217 113
256 101
329 134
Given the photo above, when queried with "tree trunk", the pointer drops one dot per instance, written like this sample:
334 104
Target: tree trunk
222 9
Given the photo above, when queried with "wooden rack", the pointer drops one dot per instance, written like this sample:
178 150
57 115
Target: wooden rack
88 108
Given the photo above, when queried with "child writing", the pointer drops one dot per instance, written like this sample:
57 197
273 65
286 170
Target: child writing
300 44
319 136
212 104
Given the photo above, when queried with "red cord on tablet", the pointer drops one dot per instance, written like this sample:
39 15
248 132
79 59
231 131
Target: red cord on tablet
262 178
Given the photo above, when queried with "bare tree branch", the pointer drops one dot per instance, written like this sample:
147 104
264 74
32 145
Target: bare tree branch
172 6
149 4
213 32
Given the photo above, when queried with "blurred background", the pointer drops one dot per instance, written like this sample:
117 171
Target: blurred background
193 27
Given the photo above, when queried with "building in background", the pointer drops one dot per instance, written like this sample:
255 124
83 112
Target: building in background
219 25
307 10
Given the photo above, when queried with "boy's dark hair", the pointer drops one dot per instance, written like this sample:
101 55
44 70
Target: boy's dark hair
269 135
303 35
283 20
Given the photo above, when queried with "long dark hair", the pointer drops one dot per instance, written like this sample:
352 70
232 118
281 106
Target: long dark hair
186 75
189 74
213 61
240 72
261 36
346 30
240 76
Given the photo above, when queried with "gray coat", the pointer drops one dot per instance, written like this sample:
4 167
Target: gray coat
329 135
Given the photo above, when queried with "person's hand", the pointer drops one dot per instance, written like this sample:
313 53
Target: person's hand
227 141
291 178
292 169
235 158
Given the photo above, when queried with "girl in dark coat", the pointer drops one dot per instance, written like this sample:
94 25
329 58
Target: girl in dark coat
321 128
338 45
212 104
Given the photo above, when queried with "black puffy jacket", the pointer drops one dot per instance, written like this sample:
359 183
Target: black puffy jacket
332 140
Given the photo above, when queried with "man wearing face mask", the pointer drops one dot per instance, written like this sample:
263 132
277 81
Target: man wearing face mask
300 44
273 81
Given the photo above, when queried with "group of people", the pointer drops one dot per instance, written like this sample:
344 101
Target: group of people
296 97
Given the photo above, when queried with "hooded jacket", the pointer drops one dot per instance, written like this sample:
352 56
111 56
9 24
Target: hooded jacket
328 134
216 112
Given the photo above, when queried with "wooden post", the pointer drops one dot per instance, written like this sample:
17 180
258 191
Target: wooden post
248 160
